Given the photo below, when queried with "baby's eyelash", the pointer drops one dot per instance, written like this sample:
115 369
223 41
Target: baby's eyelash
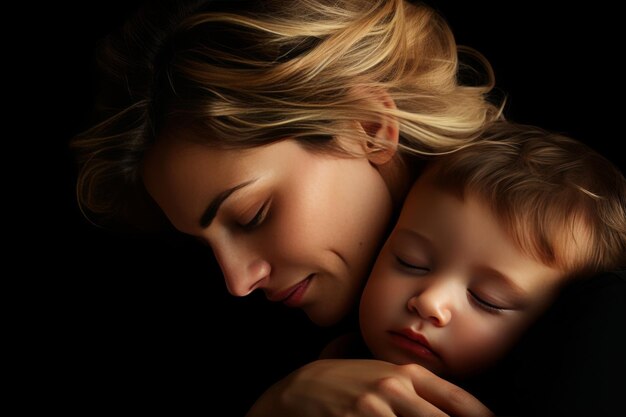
406 265
490 308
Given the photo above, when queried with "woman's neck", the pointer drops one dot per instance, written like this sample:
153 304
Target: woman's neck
399 174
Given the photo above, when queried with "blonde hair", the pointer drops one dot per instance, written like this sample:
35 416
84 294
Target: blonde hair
244 74
561 201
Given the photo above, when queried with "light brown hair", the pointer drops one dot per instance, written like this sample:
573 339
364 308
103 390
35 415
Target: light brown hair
561 201
248 73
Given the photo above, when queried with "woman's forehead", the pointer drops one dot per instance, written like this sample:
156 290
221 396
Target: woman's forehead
182 176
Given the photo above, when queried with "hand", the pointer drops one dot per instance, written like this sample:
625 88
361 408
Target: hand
366 388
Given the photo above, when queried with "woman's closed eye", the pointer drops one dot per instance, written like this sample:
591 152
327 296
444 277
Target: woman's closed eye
258 218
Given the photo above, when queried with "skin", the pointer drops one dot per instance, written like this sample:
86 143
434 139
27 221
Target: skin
368 388
306 231
286 233
451 275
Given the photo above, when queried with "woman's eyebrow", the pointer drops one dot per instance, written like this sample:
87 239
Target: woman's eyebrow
214 205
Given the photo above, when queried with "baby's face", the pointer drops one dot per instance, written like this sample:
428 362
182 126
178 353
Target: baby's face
450 290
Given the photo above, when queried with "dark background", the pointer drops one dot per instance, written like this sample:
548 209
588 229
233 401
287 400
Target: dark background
144 323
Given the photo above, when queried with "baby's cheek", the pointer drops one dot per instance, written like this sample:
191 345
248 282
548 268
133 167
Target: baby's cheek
478 343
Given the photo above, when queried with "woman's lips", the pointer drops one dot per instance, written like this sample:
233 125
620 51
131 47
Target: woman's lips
415 343
292 297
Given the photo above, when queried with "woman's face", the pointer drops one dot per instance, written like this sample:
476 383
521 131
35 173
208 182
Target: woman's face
302 227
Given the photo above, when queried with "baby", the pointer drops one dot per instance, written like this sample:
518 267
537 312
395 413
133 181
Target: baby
487 238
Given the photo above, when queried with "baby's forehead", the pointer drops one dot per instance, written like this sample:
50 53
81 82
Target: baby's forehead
556 238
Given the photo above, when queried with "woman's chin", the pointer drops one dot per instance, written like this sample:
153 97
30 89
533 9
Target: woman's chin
324 318
325 313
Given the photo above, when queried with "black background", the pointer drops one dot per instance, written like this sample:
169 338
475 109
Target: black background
143 323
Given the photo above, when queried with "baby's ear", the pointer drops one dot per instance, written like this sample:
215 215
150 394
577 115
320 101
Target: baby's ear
383 134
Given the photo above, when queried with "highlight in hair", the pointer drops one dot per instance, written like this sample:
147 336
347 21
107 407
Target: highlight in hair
248 73
562 202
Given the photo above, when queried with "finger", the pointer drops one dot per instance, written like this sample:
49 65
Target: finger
444 395
371 405
404 401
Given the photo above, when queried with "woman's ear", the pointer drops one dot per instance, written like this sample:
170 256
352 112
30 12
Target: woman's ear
382 135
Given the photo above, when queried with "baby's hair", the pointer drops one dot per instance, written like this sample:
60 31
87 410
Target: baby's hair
240 74
561 201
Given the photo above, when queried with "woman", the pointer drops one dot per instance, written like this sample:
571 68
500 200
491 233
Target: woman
370 101
249 127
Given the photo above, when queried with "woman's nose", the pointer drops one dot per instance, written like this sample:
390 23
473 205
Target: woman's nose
244 271
434 304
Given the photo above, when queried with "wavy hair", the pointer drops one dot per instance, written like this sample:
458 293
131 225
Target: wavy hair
561 201
248 73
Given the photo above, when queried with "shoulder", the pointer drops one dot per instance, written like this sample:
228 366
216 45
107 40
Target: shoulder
586 325
586 343
591 298
604 280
